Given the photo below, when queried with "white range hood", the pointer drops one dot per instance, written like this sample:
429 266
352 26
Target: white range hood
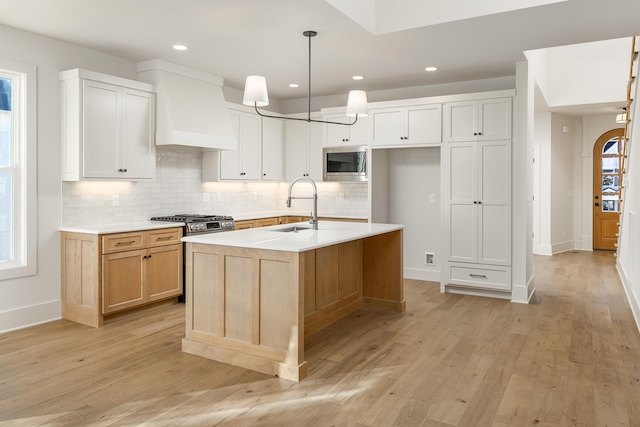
191 108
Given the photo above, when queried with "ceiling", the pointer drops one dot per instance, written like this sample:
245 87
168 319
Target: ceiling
235 38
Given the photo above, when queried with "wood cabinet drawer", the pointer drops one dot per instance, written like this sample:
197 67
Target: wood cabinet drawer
163 237
266 222
480 276
123 242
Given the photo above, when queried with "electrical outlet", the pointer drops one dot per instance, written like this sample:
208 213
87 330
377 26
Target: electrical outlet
218 197
205 197
432 198
116 200
255 195
430 258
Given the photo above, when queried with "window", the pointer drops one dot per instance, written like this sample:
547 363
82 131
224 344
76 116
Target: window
17 170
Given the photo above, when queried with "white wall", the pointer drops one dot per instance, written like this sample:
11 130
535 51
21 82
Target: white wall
542 186
414 180
562 189
628 260
36 298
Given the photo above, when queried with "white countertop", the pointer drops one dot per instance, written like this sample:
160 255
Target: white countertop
329 233
121 228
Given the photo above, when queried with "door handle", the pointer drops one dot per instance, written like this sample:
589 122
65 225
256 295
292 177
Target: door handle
597 204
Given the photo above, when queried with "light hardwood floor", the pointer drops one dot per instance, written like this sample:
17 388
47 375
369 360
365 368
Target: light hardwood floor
572 357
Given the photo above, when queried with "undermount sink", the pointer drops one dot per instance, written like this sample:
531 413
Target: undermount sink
293 229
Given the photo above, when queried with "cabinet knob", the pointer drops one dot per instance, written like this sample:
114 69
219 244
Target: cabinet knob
475 134
122 170
264 174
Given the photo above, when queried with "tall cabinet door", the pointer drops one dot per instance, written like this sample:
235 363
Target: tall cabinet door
297 142
250 146
463 236
101 129
494 202
138 125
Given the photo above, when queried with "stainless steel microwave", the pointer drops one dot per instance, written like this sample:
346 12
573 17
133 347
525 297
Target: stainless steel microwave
345 164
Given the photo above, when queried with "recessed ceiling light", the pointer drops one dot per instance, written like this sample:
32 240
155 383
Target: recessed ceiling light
294 85
431 68
358 78
180 47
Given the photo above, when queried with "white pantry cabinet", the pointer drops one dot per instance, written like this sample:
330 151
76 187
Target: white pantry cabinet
411 125
108 126
303 149
244 162
478 120
339 135
478 206
272 149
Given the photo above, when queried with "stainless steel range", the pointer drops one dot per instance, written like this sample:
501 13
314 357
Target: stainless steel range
200 224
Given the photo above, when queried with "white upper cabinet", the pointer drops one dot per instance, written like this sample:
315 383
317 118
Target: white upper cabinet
338 135
272 149
303 149
243 163
108 125
479 120
411 125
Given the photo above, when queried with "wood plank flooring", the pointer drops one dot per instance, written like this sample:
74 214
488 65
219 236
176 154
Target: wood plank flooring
571 358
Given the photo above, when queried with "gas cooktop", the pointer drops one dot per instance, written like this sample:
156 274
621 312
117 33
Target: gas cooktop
200 223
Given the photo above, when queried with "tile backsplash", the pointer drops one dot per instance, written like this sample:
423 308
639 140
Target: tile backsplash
178 188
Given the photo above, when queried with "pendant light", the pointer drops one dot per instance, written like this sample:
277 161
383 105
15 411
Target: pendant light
255 95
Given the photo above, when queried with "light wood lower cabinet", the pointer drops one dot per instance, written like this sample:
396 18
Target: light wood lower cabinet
105 274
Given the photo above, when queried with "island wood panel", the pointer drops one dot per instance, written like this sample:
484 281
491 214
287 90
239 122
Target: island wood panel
261 314
382 271
80 275
238 299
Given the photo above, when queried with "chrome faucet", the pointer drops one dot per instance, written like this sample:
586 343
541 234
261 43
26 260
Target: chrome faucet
314 215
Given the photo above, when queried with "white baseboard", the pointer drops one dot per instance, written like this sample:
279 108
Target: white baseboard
31 315
544 250
633 299
522 294
567 246
418 274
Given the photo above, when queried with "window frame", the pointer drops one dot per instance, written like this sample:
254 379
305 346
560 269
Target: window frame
24 189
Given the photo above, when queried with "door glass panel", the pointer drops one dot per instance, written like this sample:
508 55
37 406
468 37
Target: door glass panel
610 203
610 183
610 164
611 147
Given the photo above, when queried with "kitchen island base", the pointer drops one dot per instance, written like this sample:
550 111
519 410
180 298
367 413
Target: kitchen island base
253 307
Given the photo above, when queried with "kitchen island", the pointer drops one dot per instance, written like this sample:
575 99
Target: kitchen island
254 295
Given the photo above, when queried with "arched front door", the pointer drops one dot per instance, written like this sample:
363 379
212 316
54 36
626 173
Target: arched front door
607 177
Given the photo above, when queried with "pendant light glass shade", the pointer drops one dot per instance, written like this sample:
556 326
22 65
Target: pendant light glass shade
255 92
357 103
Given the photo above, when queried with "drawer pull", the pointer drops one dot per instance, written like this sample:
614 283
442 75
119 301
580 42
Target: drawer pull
130 242
165 238
478 276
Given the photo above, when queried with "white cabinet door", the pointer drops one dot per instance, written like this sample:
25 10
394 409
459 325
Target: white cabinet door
481 120
244 162
423 124
460 121
386 126
138 158
101 111
230 160
462 203
494 202
314 151
272 149
297 143
494 118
